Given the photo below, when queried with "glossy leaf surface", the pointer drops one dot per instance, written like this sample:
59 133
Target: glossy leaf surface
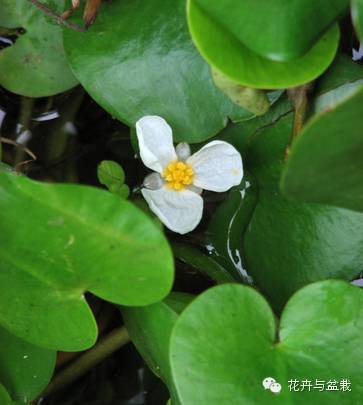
95 242
156 70
37 56
276 30
232 58
25 369
325 164
222 357
286 244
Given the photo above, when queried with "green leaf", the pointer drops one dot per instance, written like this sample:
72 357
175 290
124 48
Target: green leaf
64 240
122 191
4 396
112 175
357 16
342 71
325 164
156 70
231 57
222 357
286 244
25 369
35 65
276 30
150 329
201 262
252 100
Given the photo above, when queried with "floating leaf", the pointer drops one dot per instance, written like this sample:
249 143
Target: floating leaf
156 70
64 240
35 65
325 164
222 357
276 30
228 55
286 244
25 369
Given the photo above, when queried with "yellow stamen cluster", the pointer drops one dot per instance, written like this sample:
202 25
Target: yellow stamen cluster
178 175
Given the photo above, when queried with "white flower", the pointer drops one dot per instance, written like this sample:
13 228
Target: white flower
173 192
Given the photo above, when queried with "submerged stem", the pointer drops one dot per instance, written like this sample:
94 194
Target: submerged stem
299 98
57 17
108 345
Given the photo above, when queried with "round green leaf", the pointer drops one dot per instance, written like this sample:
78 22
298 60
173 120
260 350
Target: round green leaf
35 65
286 244
324 166
110 173
60 241
222 357
277 30
25 369
138 59
227 54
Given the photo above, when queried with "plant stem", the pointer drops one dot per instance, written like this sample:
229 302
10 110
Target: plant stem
108 345
26 111
57 17
299 98
59 139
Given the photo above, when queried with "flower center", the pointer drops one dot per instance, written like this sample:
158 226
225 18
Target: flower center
178 175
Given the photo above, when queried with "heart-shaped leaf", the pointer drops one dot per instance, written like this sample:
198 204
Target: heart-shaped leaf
223 356
150 329
25 369
37 57
287 244
276 30
64 240
325 164
132 71
232 58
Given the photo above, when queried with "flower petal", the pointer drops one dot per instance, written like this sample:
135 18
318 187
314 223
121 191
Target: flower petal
217 166
156 142
180 211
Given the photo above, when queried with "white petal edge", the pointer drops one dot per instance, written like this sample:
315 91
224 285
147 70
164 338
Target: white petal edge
217 166
180 211
155 139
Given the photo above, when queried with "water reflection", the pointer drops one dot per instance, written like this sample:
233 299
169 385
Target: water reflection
46 116
227 227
